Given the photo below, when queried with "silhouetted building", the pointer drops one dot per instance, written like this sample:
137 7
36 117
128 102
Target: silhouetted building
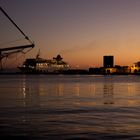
108 61
95 70
135 68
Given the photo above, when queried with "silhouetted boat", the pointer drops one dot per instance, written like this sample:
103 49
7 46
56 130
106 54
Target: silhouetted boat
40 65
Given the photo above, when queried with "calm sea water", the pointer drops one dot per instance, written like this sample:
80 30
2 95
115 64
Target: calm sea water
69 107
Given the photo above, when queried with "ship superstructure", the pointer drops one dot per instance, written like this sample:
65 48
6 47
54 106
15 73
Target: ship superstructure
40 65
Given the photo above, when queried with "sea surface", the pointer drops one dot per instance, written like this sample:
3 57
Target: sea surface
70 107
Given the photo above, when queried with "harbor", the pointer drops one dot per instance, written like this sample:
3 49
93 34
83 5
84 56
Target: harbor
70 70
56 65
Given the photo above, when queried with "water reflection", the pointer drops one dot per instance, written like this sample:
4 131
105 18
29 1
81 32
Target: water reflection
24 88
60 89
51 106
39 90
108 93
30 92
131 89
77 89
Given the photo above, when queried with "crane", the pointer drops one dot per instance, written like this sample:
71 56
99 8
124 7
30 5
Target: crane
5 52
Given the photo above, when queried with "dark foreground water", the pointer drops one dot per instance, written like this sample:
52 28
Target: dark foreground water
69 107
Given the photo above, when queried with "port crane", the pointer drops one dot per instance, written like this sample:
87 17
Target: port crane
5 52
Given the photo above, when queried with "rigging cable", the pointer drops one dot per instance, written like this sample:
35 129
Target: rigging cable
4 51
26 37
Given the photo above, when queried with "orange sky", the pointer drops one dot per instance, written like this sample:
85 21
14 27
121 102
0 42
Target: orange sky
82 31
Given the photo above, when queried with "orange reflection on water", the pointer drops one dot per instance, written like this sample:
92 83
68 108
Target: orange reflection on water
100 93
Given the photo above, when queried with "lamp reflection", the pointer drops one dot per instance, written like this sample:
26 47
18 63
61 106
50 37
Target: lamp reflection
24 87
108 92
60 89
30 92
77 89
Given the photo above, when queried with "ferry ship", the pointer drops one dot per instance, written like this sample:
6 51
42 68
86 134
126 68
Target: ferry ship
40 65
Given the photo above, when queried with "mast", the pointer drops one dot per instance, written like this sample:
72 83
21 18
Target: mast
4 52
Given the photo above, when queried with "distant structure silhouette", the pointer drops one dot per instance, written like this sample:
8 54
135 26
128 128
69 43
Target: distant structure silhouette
108 61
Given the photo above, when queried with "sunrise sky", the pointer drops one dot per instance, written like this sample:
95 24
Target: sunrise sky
82 31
